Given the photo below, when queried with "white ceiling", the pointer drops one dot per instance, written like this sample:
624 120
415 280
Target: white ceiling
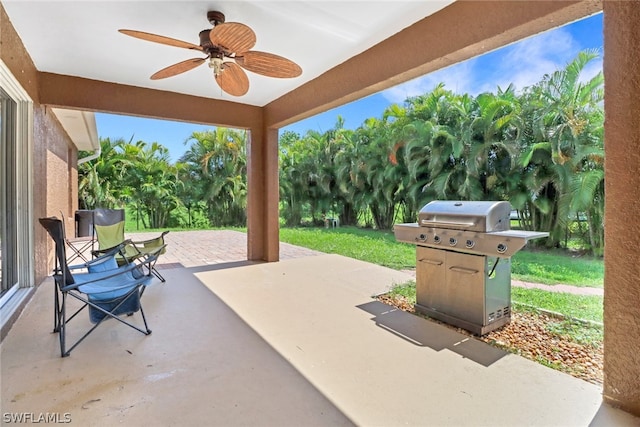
81 38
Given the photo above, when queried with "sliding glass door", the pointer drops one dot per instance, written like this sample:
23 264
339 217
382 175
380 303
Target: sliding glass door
8 212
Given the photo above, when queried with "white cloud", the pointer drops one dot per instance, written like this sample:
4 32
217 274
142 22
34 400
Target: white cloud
526 62
523 63
458 77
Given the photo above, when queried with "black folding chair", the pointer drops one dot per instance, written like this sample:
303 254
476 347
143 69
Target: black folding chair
78 245
108 290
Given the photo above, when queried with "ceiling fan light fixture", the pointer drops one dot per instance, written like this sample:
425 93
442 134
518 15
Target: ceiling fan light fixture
216 65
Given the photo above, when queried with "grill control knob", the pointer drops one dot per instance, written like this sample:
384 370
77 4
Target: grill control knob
502 248
436 239
452 241
470 244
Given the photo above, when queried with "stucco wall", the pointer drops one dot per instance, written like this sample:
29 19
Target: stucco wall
54 167
622 230
53 154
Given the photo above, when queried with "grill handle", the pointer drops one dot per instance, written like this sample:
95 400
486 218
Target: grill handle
463 270
431 261
446 223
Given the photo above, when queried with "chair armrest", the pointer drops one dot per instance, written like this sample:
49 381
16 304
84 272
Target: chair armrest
82 279
155 246
116 247
121 248
142 242
154 251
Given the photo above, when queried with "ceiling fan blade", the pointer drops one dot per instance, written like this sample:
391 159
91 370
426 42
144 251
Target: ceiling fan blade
268 64
178 68
233 79
233 37
160 39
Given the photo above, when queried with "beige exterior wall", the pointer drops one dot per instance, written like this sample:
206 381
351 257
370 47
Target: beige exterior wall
61 198
622 207
54 170
54 155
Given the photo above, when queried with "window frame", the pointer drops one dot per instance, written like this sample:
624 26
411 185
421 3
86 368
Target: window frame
22 174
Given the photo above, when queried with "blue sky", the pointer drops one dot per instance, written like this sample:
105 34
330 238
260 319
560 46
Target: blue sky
522 64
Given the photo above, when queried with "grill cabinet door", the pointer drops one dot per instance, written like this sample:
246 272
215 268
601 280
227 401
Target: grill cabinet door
465 286
430 278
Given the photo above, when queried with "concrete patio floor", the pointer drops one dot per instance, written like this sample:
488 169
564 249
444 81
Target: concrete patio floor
300 342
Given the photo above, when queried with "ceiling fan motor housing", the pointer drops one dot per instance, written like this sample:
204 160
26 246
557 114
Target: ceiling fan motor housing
205 42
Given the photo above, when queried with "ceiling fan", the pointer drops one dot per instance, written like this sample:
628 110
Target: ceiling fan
227 46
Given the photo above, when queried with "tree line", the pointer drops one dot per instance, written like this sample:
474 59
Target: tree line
540 148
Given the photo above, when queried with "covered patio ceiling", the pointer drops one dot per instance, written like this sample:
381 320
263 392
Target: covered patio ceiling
316 35
347 50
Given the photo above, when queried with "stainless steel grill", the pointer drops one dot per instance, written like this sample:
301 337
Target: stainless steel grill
463 266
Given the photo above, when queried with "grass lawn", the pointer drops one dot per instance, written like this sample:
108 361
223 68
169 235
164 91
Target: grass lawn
381 247
586 307
551 267
555 266
377 247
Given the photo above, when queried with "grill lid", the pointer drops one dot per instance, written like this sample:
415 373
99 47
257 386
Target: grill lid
483 217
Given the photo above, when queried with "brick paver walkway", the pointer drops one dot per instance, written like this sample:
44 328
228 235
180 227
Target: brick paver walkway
206 247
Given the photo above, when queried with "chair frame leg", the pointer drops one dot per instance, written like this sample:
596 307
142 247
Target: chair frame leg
78 253
157 274
62 327
56 312
62 319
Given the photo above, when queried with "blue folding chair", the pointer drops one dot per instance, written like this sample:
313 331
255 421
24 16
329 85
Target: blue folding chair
106 289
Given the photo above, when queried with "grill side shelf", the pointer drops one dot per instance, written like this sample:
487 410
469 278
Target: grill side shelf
527 235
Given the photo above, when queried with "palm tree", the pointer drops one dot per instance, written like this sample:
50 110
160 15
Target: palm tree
541 150
292 190
346 161
152 181
101 181
439 119
380 178
491 133
563 146
216 161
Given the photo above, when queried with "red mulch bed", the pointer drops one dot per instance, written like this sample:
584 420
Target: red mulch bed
528 335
